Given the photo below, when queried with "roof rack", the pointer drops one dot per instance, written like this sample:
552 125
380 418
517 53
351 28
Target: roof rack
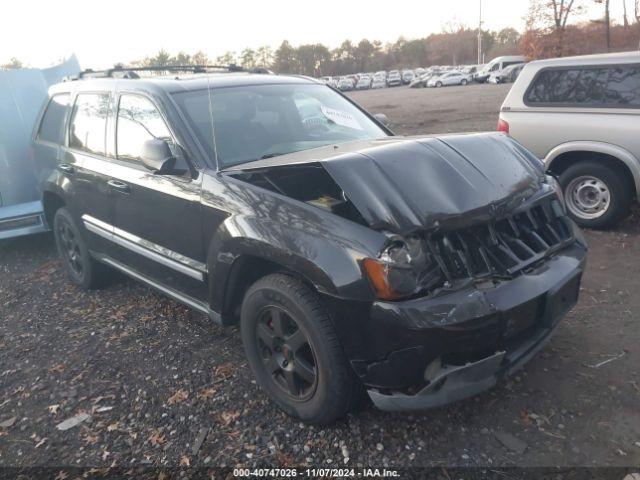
120 71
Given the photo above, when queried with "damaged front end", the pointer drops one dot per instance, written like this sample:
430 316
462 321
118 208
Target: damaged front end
479 262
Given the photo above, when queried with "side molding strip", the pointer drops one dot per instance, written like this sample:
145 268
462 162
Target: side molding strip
155 252
166 290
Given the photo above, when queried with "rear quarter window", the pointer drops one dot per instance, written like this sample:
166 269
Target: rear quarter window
51 127
598 86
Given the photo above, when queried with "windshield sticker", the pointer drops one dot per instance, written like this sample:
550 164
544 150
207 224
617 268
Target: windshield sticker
341 118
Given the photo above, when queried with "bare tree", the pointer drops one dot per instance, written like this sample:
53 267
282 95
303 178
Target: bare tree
624 14
553 15
606 21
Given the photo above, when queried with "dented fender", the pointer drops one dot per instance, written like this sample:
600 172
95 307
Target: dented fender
321 247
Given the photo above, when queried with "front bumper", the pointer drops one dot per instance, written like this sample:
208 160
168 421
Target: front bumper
474 337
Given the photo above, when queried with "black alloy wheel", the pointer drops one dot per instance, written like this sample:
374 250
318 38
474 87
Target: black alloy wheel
294 351
70 246
286 353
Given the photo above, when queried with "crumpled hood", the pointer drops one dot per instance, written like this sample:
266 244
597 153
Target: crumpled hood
415 183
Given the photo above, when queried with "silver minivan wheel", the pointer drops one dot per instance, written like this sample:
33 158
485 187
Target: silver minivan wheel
587 197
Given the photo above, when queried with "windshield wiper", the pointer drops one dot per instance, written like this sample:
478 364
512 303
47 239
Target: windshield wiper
271 155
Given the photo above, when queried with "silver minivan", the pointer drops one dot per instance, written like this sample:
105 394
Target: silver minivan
581 116
22 94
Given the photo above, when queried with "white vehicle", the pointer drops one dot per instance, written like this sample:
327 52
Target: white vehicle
22 93
394 79
345 84
507 75
379 81
364 83
449 78
407 77
581 116
498 64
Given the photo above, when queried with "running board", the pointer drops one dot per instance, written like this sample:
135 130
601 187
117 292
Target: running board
170 292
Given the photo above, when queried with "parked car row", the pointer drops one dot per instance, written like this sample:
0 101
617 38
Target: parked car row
380 79
503 69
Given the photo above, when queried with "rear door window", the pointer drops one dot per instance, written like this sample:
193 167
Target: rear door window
52 125
607 86
89 122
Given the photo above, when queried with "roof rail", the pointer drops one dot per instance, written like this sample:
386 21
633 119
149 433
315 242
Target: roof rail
120 71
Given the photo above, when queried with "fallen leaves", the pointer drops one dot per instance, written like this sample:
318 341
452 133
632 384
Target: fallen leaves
53 409
58 368
184 461
229 417
91 438
113 427
178 397
156 438
225 370
206 394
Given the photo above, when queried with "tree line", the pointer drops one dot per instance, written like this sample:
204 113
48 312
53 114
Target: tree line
553 28
453 47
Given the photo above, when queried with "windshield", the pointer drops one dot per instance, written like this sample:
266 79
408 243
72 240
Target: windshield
254 122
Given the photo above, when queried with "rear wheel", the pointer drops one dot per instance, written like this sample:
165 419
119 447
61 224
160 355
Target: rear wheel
463 82
596 195
294 352
438 84
72 248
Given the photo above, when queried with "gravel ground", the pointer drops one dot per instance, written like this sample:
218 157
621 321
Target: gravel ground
154 383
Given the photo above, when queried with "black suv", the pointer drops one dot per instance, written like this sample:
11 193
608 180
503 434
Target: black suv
419 269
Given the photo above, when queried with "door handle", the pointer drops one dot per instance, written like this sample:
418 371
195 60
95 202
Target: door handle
66 168
119 186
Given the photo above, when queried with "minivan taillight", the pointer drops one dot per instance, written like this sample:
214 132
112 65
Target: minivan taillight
503 126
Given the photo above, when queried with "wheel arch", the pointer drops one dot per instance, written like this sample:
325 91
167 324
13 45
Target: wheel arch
51 202
229 285
565 155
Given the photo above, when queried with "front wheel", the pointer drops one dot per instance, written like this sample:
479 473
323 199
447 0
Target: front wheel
596 195
294 352
438 84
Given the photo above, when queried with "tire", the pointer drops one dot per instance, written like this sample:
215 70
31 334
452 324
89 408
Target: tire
438 84
281 303
589 183
83 269
463 82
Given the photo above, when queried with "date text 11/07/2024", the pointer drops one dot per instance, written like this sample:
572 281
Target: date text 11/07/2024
316 472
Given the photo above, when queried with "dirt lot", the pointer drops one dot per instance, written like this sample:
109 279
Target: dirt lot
164 386
414 111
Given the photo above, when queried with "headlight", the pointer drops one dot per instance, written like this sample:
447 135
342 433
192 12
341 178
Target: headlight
403 268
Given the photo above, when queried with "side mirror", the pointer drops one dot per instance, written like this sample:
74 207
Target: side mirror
158 157
382 118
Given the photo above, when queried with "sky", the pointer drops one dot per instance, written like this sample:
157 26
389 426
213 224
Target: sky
41 33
